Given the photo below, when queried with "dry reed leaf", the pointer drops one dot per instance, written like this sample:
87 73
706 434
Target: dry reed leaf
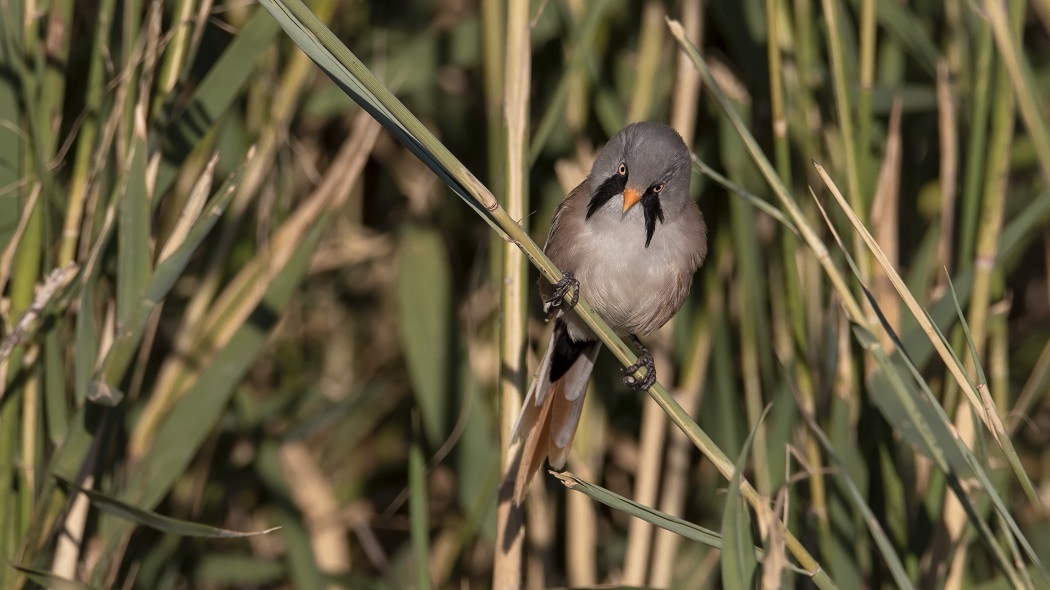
191 211
776 559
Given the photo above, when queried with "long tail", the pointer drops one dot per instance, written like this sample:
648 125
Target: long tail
550 413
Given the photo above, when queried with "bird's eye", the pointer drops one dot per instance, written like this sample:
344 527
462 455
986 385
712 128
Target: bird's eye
622 169
658 188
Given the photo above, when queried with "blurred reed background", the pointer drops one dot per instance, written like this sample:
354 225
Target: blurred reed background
231 301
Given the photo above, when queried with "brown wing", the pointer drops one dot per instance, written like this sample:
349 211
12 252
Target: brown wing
557 246
696 233
573 195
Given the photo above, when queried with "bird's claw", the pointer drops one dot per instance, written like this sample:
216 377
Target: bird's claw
645 359
561 289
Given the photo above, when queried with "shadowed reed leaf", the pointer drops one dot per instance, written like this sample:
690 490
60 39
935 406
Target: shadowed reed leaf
417 510
424 299
48 580
164 524
651 515
739 565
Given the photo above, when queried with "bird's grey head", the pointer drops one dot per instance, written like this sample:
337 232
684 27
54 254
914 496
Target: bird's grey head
645 164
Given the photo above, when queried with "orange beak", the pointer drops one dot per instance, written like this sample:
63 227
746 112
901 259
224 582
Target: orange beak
630 197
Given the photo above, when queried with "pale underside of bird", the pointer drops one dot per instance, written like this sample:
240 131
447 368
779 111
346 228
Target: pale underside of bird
628 239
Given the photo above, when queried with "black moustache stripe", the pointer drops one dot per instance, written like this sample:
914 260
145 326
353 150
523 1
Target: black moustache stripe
652 210
608 189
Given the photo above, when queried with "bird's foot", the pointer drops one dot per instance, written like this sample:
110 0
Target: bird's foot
645 359
561 289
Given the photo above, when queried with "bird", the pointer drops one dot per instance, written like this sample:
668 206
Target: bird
628 239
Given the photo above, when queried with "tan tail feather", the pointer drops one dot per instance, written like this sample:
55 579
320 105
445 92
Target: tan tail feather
565 415
550 416
535 449
564 420
536 396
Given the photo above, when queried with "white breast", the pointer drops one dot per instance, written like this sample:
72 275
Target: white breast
634 287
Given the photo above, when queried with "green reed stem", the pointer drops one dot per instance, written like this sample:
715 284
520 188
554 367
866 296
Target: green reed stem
977 150
858 199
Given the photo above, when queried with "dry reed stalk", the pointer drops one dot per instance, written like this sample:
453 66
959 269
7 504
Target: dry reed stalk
949 164
885 220
514 293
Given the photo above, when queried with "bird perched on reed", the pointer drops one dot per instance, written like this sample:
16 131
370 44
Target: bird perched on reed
628 239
